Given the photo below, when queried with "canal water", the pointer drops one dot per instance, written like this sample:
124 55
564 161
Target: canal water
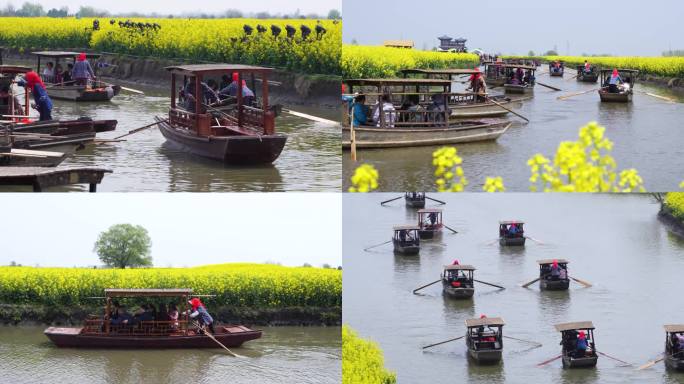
615 242
144 162
647 135
283 355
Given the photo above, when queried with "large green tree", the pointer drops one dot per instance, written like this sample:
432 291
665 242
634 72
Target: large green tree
124 245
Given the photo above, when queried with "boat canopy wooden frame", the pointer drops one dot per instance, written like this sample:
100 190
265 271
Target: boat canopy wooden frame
550 261
485 322
459 267
13 71
574 326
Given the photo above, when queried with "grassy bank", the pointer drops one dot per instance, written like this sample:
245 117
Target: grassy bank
216 40
256 286
658 66
373 61
674 204
362 361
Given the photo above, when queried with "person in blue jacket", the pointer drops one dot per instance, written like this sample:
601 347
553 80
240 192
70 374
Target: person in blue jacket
360 110
34 85
199 312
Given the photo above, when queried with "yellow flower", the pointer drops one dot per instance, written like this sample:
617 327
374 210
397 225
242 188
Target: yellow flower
364 179
494 184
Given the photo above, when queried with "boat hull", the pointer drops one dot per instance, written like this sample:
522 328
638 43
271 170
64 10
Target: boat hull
588 77
414 203
238 150
406 249
556 73
457 293
608 97
81 93
495 82
485 356
480 110
518 89
73 338
429 234
512 241
46 161
67 127
579 362
674 363
461 132
554 285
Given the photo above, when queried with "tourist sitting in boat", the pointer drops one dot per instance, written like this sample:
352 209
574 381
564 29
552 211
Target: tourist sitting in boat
211 95
142 314
121 317
59 74
478 85
360 110
34 85
225 82
173 316
232 88
66 75
82 72
529 77
49 72
188 95
437 108
513 79
520 75
199 312
388 110
587 67
513 230
614 81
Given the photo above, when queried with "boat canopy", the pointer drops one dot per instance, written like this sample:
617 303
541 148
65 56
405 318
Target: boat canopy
214 69
574 326
390 82
550 261
509 222
610 70
13 69
430 210
674 328
458 267
485 321
508 65
134 292
406 228
64 54
447 71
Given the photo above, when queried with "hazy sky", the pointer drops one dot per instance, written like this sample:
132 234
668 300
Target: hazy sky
180 6
186 229
620 27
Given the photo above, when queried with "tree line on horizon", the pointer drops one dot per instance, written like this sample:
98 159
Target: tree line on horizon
31 9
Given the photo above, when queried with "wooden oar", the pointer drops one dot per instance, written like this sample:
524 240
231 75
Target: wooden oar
447 227
310 117
426 285
525 341
435 200
443 342
576 94
549 360
387 201
530 282
377 245
535 240
213 338
509 110
141 129
548 86
614 358
484 282
658 96
652 362
585 283
132 90
571 78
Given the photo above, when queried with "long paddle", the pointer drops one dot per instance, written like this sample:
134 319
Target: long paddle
658 96
443 342
530 282
124 88
447 227
548 86
310 117
387 201
509 110
652 362
614 358
571 78
377 245
426 285
535 240
435 200
140 129
585 283
213 338
484 282
549 360
576 94
525 341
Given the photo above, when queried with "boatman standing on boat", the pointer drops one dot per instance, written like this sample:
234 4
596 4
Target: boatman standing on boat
478 85
581 345
34 85
587 67
82 71
614 81
200 313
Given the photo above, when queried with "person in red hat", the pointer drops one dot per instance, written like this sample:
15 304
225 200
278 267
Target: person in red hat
478 85
614 81
34 84
82 72
199 312
582 344
232 89
555 270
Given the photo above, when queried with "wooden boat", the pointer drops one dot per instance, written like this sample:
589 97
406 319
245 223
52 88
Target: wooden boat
427 121
105 333
457 281
674 356
10 105
546 282
16 157
590 77
484 339
495 73
67 127
520 86
406 239
430 223
553 71
506 238
242 134
625 90
415 199
569 334
95 91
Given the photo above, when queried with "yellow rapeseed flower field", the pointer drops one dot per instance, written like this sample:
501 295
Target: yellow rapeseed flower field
239 285
214 40
362 361
674 201
660 66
